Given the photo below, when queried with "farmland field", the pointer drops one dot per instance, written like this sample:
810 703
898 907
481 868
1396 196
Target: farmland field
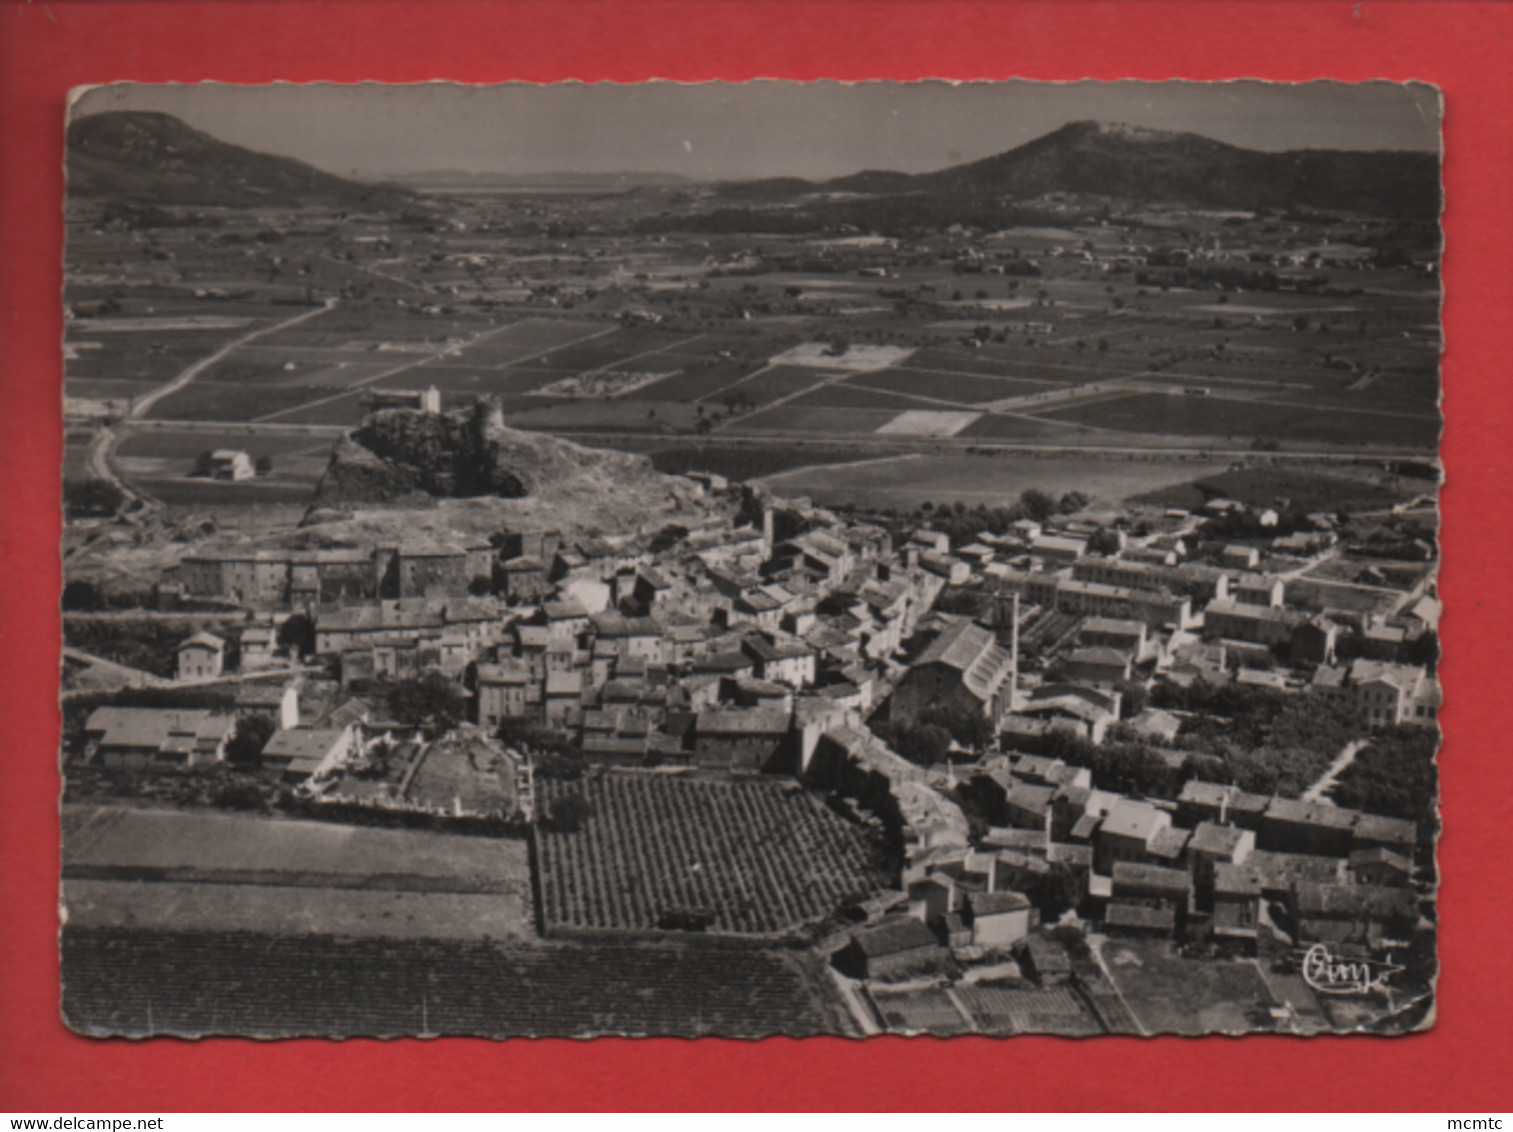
994 426
211 842
927 422
185 444
452 378
749 461
963 387
1305 488
206 401
775 382
751 855
793 417
1213 416
106 389
386 910
701 380
911 480
120 981
843 395
1171 995
197 493
546 415
595 345
139 357
170 870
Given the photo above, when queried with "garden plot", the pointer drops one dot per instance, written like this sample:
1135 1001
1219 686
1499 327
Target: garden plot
926 1011
1028 1010
927 422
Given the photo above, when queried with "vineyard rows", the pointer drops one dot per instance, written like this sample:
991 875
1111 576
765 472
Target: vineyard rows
120 981
754 856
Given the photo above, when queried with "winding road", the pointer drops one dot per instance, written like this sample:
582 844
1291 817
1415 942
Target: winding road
105 441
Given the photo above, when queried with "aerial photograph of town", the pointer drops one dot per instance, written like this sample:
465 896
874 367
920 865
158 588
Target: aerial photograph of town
750 559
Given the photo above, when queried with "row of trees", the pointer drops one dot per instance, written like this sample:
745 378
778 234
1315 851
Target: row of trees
962 522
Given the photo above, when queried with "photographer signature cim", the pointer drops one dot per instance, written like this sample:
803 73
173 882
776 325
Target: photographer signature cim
1328 973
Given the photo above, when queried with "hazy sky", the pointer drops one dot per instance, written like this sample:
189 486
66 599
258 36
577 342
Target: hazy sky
759 129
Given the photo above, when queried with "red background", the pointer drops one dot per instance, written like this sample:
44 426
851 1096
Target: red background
1461 1065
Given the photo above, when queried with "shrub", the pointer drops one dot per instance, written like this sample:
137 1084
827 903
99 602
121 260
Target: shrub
238 796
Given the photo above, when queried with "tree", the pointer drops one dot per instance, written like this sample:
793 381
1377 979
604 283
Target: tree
1103 541
1037 505
567 813
969 728
667 538
238 796
245 747
264 465
430 703
297 635
81 596
1072 502
924 744
203 463
1055 891
91 498
1133 698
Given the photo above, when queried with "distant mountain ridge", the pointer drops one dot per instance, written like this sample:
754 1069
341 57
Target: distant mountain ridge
149 158
1164 167
485 180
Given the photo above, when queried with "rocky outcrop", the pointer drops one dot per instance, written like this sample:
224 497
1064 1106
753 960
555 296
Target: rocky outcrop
397 454
404 459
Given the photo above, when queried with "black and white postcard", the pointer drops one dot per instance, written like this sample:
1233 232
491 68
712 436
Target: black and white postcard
745 559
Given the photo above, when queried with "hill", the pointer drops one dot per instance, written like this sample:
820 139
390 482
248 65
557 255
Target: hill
400 464
1143 166
1160 166
155 159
